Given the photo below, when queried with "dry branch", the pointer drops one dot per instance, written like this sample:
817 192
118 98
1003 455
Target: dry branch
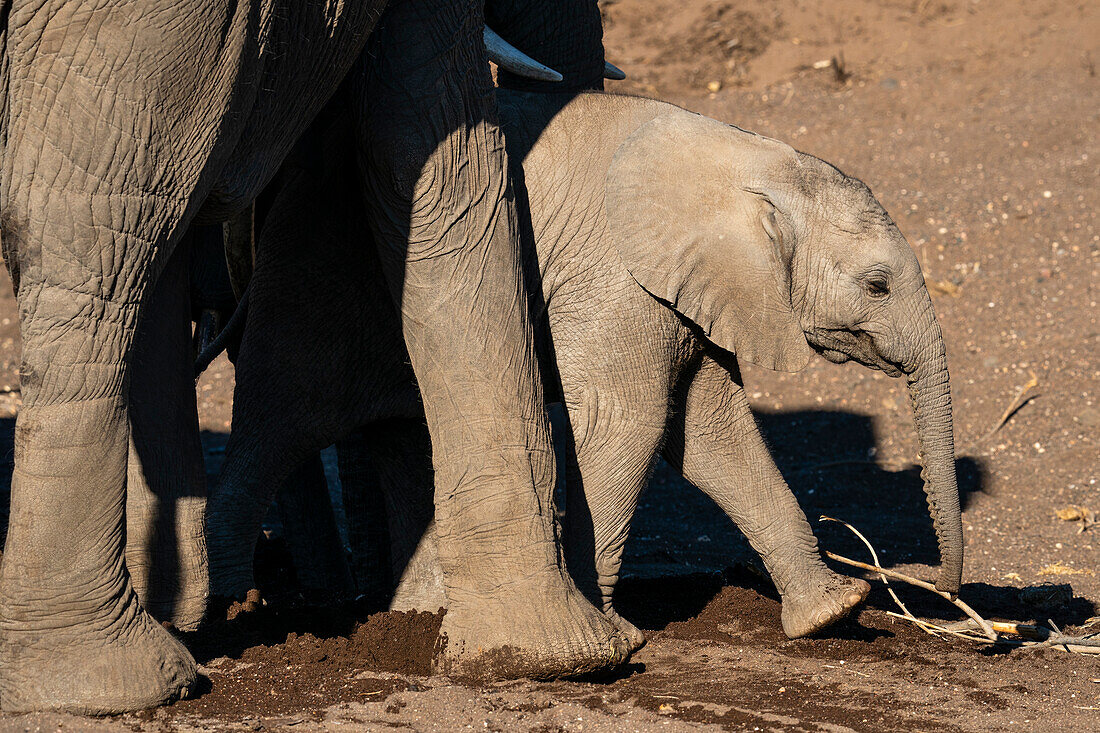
1031 637
959 603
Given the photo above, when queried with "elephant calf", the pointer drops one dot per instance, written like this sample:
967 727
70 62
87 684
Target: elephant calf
663 248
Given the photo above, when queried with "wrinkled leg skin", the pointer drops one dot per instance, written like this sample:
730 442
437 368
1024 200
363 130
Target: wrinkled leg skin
73 635
446 229
616 428
722 452
94 201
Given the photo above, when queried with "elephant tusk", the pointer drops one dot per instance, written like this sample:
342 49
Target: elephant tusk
507 56
613 72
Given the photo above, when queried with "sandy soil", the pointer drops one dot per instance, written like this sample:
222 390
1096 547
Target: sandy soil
976 124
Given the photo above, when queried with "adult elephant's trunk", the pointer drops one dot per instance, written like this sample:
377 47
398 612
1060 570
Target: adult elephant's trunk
930 393
566 35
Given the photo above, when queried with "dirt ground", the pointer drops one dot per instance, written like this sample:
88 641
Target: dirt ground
976 124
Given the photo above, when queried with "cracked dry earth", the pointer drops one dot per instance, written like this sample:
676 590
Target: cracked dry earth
976 124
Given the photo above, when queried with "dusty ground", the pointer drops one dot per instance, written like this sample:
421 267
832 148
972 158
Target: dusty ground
976 124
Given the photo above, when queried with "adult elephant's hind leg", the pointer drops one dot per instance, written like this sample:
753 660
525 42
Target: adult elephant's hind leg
448 236
166 481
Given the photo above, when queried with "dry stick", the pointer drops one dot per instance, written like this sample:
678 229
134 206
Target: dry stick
1081 645
874 556
961 605
933 629
1074 644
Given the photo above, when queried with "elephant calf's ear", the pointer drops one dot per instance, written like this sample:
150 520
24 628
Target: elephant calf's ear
693 237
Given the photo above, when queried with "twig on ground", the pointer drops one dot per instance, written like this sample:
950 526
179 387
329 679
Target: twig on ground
961 605
874 556
1032 637
936 629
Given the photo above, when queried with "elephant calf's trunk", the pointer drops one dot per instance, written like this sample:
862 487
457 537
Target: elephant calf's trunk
930 393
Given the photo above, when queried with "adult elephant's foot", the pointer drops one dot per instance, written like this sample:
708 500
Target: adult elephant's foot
542 628
231 535
633 634
73 635
827 598
119 664
229 579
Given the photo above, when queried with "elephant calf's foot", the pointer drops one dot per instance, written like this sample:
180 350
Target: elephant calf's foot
543 628
123 664
821 603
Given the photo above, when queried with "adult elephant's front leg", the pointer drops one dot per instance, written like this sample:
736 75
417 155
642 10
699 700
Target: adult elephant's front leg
75 636
446 226
102 161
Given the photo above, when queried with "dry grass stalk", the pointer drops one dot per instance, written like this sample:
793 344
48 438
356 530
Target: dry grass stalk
1022 398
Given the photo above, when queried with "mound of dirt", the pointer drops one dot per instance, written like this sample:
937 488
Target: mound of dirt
302 659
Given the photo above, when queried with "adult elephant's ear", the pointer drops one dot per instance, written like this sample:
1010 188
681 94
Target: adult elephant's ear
689 230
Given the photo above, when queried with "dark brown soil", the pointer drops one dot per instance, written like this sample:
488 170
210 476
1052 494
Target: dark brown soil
977 124
302 659
716 655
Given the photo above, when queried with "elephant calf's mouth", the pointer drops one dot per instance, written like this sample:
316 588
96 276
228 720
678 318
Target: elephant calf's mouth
840 347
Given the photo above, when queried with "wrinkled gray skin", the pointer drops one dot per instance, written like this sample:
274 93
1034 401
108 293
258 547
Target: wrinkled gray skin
666 247
123 123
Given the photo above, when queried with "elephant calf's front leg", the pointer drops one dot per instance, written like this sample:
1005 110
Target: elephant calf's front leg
722 452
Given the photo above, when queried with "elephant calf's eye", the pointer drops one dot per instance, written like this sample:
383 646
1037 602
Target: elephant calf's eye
877 288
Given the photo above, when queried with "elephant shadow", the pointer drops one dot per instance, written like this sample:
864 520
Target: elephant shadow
827 458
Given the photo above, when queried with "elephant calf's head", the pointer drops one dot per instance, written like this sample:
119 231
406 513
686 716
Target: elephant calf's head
775 254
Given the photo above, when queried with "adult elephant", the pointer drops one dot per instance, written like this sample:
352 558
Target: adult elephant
125 122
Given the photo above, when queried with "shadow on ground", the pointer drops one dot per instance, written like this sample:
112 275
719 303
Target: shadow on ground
827 458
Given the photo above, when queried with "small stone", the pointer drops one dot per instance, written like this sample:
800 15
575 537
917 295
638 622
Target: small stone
1047 194
714 86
